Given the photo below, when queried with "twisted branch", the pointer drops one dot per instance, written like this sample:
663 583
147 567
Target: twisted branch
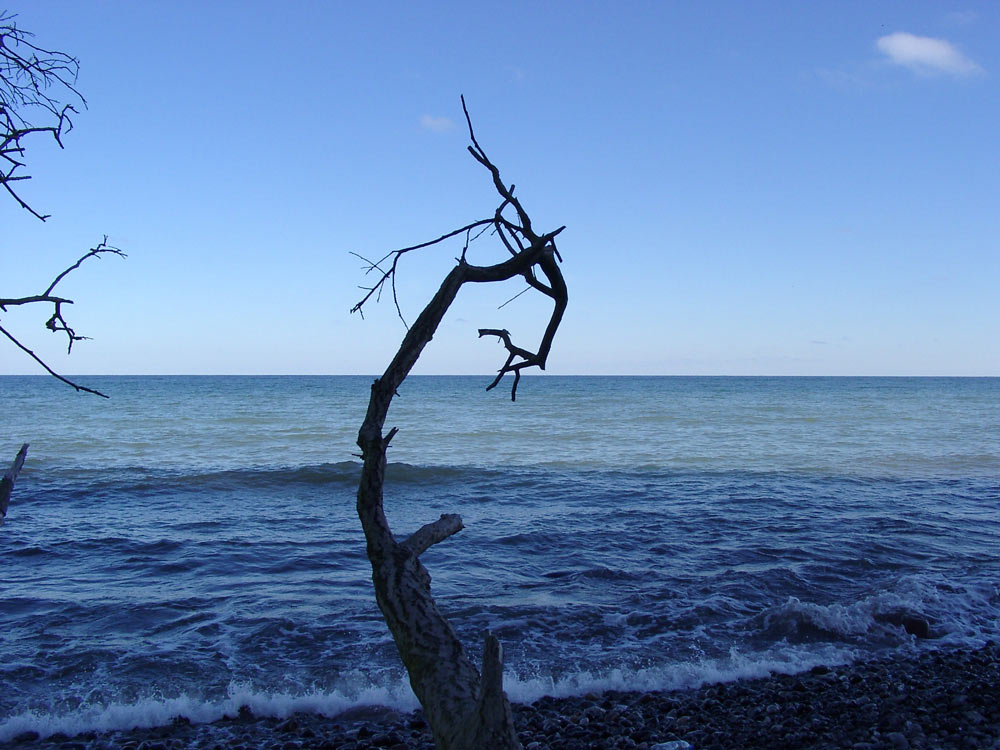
528 251
465 708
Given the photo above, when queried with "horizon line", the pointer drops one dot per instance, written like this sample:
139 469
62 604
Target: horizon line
474 375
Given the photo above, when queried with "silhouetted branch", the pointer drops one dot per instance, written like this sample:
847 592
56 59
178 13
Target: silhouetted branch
528 251
28 73
389 274
56 322
36 81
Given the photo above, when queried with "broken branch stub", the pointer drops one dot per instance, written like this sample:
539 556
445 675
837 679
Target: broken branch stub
8 479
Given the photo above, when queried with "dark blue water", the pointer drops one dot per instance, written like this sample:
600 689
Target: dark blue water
191 545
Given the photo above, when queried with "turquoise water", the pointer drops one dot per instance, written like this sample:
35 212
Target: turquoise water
191 545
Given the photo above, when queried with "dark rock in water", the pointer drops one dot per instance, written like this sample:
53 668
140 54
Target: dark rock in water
26 737
912 623
245 714
917 626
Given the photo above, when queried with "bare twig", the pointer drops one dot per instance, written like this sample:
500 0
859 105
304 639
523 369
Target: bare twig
35 81
56 322
48 369
32 80
526 289
397 254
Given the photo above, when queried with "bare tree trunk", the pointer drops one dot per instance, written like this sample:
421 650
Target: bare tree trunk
9 477
465 708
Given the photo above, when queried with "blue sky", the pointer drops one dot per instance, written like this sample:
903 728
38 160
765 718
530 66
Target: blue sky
748 188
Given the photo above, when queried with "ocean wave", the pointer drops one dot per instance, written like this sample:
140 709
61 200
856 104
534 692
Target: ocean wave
917 606
55 485
681 675
574 483
521 688
158 711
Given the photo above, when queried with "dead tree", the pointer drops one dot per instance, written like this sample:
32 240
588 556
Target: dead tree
466 708
33 82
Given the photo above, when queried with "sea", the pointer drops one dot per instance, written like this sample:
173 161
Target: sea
190 546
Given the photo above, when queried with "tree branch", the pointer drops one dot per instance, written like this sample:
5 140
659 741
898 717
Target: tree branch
56 322
28 73
431 533
35 81
48 369
390 273
531 250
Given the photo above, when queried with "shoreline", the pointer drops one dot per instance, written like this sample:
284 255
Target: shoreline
947 698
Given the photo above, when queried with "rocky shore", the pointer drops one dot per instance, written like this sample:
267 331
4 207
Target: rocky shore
934 700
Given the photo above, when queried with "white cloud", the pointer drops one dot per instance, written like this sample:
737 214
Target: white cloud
436 124
925 54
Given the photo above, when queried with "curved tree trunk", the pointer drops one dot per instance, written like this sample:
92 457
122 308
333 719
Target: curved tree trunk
465 708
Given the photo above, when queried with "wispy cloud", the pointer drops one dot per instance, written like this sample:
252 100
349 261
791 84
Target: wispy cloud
962 17
436 124
516 73
924 54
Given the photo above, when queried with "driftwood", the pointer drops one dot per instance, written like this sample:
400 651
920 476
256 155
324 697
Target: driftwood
9 477
466 708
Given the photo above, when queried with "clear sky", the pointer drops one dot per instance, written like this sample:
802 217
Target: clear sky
748 187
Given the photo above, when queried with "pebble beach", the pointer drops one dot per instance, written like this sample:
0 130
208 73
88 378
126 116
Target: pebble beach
931 699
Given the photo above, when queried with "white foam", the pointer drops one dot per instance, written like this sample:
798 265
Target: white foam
962 614
678 676
855 619
153 712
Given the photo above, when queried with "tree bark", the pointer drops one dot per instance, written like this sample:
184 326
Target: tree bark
466 708
9 477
